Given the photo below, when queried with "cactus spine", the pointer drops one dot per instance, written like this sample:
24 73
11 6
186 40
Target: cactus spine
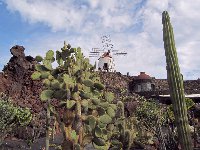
175 82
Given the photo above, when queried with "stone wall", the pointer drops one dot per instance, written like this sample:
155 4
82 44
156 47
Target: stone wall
190 86
117 81
162 87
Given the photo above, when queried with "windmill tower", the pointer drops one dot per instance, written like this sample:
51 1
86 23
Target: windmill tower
106 55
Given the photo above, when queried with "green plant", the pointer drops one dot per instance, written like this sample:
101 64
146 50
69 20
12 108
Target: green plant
175 82
87 108
12 116
189 104
122 136
147 113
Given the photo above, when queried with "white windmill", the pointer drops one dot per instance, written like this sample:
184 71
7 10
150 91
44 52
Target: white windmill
105 55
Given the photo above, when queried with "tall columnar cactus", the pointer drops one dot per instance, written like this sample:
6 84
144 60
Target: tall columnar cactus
88 111
175 82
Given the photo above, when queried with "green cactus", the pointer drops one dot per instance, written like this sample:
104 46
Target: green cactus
36 75
101 111
49 55
122 117
106 119
109 96
46 94
48 125
85 104
113 106
122 138
175 82
111 112
91 121
55 85
47 64
38 58
81 94
70 104
45 75
40 68
88 83
59 58
96 101
99 141
127 143
85 95
46 83
99 86
104 105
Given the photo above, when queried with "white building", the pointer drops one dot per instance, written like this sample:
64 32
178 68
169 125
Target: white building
106 63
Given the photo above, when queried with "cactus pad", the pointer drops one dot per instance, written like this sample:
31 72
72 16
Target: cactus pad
111 112
38 58
105 119
99 86
88 83
70 104
36 75
46 94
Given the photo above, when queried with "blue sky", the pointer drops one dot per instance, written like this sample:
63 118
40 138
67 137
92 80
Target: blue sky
133 25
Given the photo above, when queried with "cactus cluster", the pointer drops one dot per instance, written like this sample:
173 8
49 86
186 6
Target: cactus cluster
175 82
89 111
121 135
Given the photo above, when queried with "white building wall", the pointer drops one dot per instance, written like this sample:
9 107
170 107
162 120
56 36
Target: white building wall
107 60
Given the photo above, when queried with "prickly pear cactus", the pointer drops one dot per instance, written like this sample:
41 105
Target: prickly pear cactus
121 135
87 109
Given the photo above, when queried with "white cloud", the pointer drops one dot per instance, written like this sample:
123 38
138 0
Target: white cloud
58 15
134 26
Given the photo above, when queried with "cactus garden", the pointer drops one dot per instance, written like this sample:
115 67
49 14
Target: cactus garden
72 106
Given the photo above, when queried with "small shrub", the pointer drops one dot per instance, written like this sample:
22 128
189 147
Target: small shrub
11 116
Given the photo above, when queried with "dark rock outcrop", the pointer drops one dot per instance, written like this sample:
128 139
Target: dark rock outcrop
15 81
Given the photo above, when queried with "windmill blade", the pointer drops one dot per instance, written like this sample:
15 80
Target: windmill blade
121 53
93 56
95 49
115 50
95 52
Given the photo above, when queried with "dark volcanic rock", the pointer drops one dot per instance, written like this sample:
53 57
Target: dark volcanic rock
17 51
16 82
3 82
